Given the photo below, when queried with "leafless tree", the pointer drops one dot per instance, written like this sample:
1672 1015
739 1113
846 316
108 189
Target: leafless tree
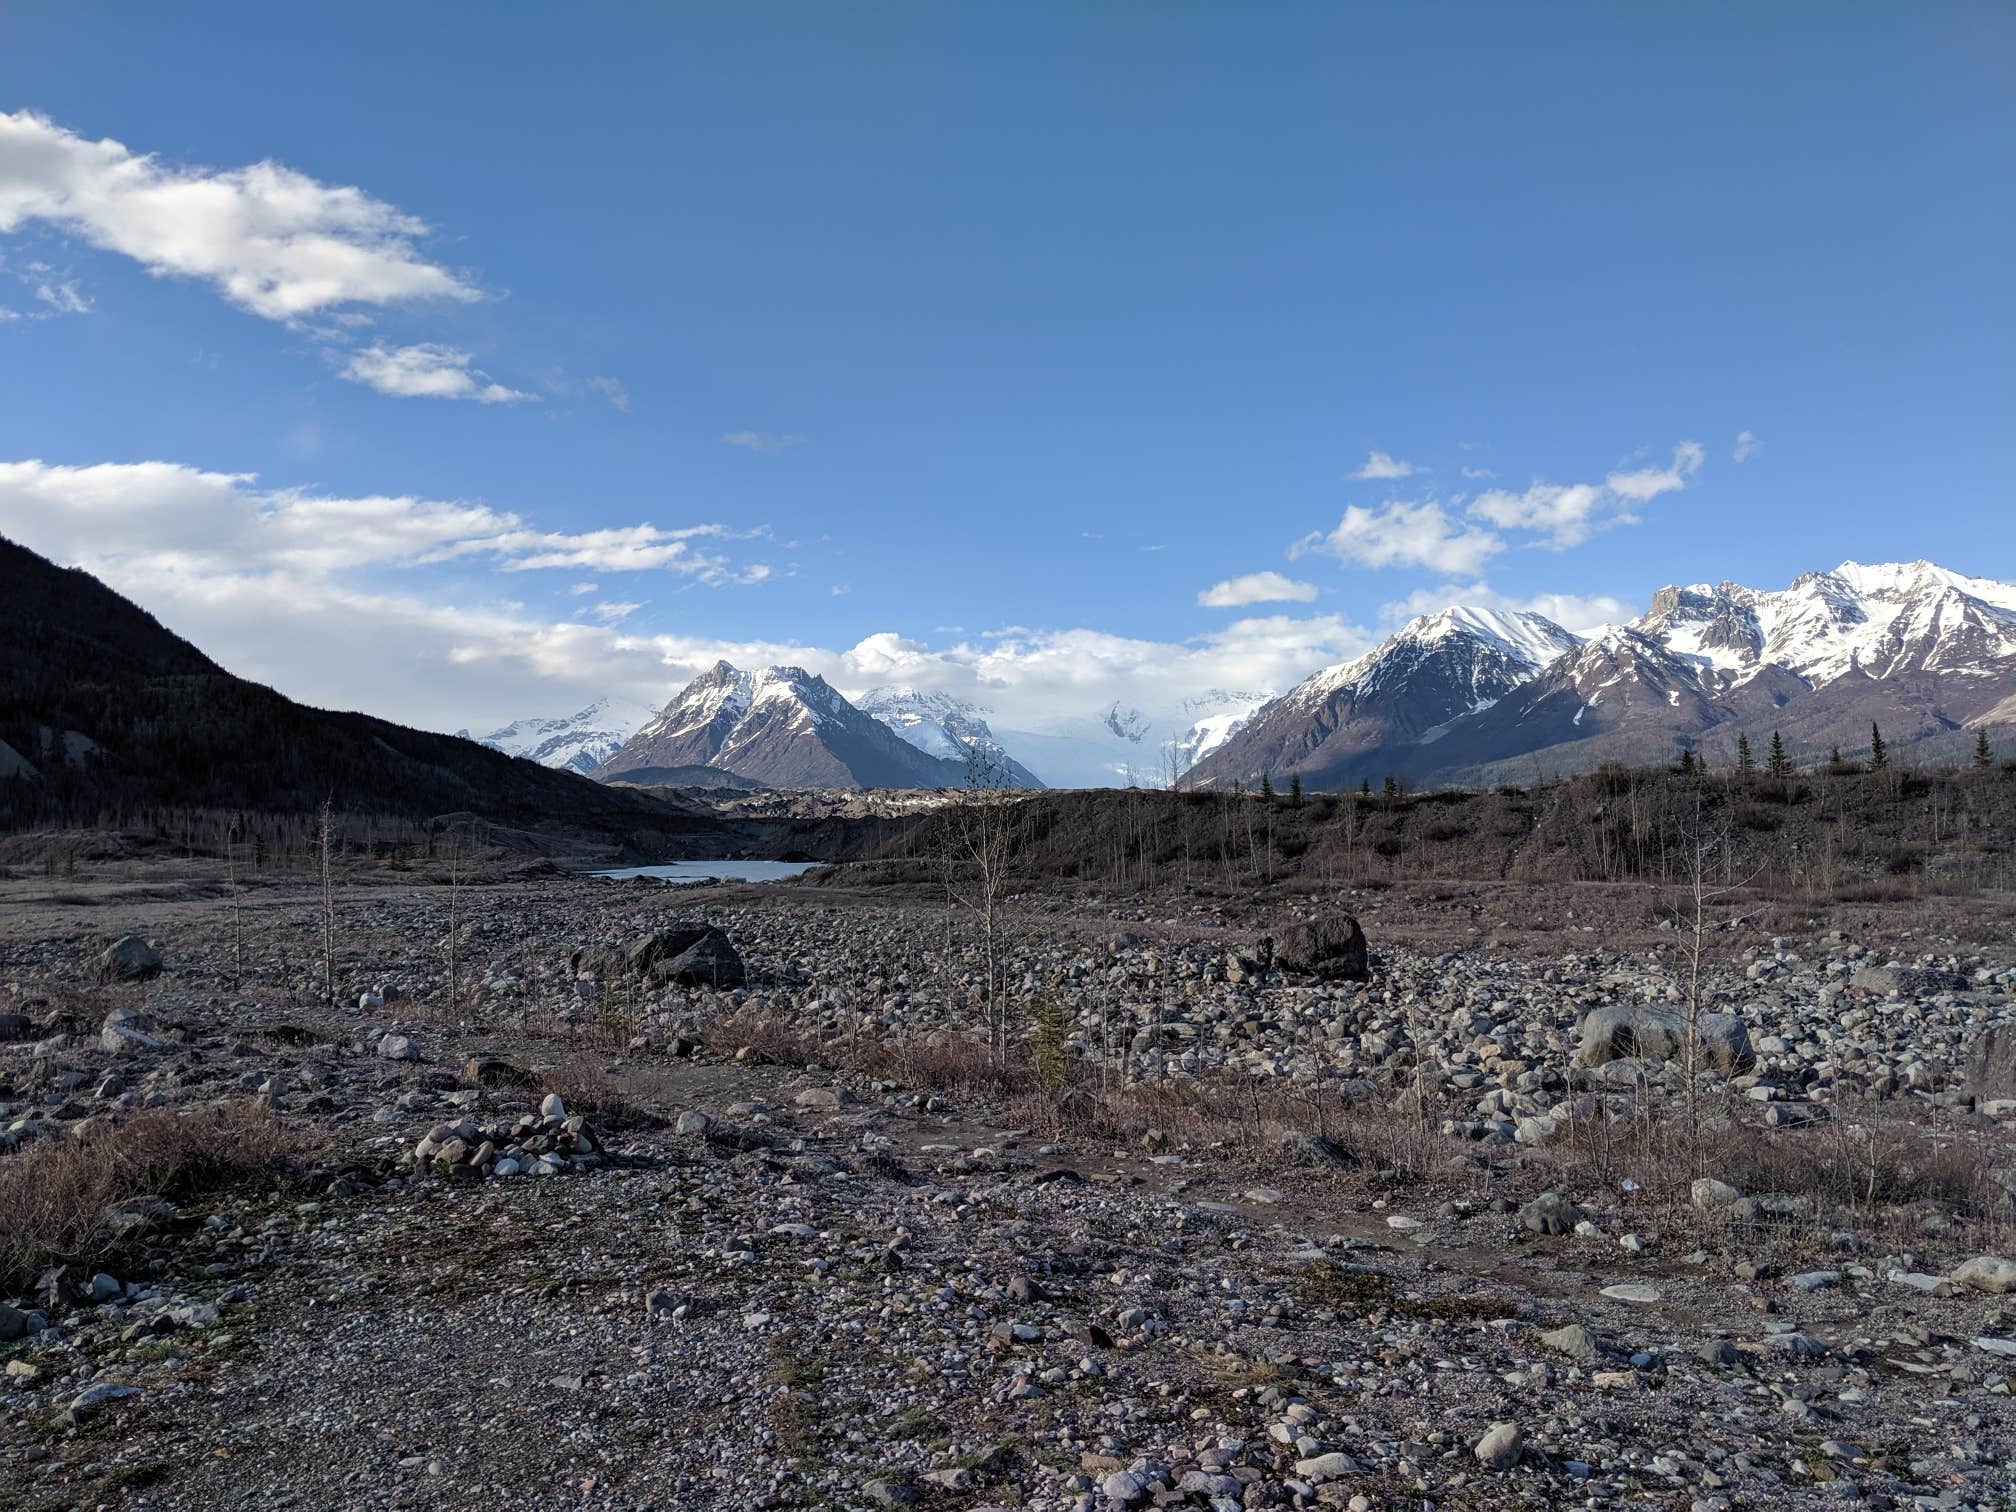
1707 847
237 924
983 834
456 868
325 835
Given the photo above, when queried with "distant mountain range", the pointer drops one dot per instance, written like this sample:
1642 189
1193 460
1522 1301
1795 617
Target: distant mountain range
1472 695
1462 695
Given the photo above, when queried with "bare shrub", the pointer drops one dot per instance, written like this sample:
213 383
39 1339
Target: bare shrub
53 1195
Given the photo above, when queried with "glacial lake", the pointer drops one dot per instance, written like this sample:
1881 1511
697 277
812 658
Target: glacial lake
714 871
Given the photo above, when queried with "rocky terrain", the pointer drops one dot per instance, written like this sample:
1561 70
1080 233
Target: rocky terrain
615 1195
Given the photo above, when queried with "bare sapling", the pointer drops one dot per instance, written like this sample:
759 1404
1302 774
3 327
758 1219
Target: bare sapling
455 873
325 834
237 921
981 839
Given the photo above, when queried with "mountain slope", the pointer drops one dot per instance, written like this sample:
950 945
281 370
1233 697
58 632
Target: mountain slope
109 711
1438 668
576 743
783 727
945 727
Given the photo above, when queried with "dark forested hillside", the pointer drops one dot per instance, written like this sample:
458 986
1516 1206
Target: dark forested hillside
103 710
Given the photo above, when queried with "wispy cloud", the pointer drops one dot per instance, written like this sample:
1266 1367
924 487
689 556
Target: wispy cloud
757 441
1747 446
1378 465
271 240
428 371
613 391
1256 588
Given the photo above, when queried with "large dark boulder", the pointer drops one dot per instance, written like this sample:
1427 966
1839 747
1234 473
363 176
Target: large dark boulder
1332 947
1653 1031
1991 1063
638 956
128 959
709 962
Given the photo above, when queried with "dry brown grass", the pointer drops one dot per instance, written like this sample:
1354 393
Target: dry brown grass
53 1195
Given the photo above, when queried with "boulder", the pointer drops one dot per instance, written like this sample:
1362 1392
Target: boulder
15 1026
1712 1196
127 959
1987 1273
1652 1031
1332 948
709 962
398 1047
1550 1213
1991 1063
1501 1447
126 1030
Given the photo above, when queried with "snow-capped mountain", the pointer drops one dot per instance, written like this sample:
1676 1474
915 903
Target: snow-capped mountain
781 726
578 743
1882 620
1438 668
1215 715
944 726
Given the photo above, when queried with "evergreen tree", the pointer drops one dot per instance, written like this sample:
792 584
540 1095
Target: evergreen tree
1295 789
1745 763
1834 757
1365 787
1879 757
1983 757
1266 788
1686 763
1776 764
1392 786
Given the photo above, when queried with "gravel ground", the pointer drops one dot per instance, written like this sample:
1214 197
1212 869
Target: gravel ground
752 1282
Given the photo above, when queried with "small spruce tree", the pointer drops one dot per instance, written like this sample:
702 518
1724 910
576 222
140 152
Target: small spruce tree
1834 757
1266 788
1392 786
1745 763
1686 763
1983 757
1776 763
1365 787
1295 789
1879 756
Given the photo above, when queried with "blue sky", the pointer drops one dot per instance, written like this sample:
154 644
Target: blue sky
1036 320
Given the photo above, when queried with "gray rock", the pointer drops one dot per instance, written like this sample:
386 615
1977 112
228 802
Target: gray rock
1501 1447
1712 1196
127 959
1322 1467
1908 981
693 1121
1574 1341
1331 947
13 1323
1653 1031
1991 1063
96 1397
398 1047
710 962
126 1030
15 1027
820 1099
1987 1273
1550 1213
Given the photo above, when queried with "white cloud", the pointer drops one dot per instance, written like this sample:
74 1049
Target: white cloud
273 241
332 601
427 371
1648 483
1747 446
578 589
1571 611
1476 474
611 614
1567 514
612 390
756 441
1379 465
161 516
1403 534
1256 588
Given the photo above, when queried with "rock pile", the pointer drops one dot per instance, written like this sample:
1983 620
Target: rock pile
542 1144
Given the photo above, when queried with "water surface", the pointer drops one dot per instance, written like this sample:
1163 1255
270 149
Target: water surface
714 871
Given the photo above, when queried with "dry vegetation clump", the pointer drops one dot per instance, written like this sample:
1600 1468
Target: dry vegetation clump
54 1196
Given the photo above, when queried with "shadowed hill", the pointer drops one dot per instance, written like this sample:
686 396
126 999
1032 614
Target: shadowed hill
112 712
